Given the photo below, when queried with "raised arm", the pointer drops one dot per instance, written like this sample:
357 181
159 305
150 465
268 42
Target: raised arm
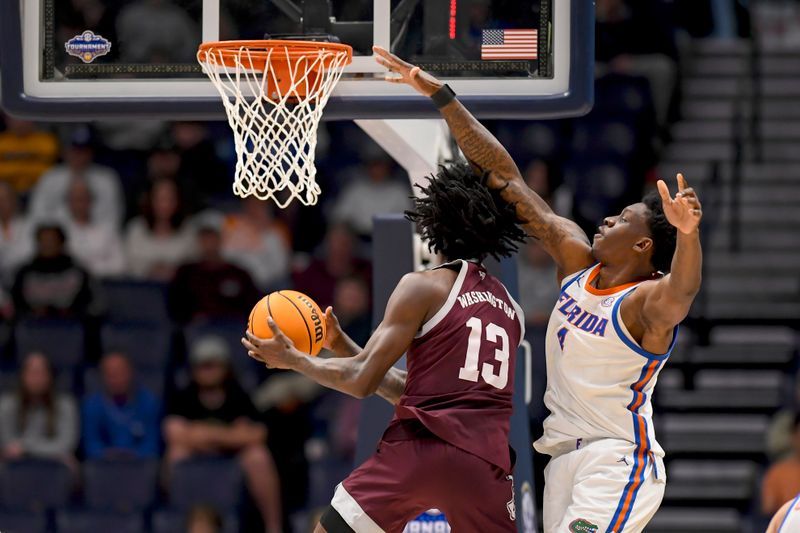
657 307
340 344
362 374
566 243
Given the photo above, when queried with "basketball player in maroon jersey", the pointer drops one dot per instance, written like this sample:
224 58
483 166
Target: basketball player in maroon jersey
447 445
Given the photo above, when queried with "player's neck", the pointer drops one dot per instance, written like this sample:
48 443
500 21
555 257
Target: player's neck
616 275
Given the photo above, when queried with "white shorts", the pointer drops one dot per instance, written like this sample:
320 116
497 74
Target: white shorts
602 487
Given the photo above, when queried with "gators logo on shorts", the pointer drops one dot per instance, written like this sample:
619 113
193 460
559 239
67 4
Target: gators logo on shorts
581 525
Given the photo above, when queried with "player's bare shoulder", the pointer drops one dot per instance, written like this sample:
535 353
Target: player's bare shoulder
429 288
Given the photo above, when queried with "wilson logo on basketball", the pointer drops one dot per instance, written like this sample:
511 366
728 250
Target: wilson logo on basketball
318 333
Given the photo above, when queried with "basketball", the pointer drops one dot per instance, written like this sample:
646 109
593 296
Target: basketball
297 316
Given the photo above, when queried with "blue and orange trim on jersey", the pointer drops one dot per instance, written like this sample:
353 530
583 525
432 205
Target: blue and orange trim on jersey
640 430
641 453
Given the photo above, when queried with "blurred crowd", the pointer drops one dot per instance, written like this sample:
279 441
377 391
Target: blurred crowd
84 208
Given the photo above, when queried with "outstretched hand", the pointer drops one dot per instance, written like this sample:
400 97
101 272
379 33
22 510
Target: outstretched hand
277 352
684 211
406 73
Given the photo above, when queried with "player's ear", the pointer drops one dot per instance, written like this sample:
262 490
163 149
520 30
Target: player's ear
643 245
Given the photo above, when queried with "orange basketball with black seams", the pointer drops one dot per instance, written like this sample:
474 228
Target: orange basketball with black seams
297 316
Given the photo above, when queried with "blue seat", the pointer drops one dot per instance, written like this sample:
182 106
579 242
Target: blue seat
94 521
147 344
208 481
61 340
120 485
129 300
249 372
23 522
35 485
172 520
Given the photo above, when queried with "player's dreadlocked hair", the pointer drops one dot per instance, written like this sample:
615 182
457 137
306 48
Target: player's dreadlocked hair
462 218
662 232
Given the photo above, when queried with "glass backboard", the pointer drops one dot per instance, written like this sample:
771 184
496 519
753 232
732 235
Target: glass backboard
505 58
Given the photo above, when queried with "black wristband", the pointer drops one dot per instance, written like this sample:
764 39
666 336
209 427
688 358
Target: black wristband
443 96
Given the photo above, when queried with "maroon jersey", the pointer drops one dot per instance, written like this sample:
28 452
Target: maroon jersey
461 366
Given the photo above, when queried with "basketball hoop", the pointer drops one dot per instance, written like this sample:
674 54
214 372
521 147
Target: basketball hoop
274 92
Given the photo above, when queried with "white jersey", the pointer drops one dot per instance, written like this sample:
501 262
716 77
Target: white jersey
599 380
791 522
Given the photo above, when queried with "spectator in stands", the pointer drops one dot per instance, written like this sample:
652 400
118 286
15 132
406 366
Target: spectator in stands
257 242
352 307
636 38
782 480
36 420
214 415
25 153
52 284
122 420
96 246
203 519
161 239
16 244
537 291
371 193
339 260
211 287
49 198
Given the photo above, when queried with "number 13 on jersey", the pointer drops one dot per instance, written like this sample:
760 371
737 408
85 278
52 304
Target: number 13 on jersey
494 334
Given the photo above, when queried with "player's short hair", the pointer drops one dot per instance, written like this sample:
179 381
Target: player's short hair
663 233
461 218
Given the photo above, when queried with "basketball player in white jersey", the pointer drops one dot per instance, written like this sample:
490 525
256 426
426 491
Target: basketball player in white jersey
787 519
611 332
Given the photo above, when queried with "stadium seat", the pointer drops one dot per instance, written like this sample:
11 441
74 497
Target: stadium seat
86 521
148 345
129 300
216 482
171 520
713 482
61 340
23 522
249 372
713 433
35 485
120 485
695 520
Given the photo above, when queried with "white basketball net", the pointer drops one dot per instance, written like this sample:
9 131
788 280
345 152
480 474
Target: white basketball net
275 134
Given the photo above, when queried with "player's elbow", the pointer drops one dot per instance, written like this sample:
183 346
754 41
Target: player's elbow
363 388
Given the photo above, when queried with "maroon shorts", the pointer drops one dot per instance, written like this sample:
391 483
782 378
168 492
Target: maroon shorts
413 471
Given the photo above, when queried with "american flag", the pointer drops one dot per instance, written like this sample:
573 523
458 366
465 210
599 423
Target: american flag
509 44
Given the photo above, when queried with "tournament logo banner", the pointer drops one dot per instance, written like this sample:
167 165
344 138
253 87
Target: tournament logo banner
88 46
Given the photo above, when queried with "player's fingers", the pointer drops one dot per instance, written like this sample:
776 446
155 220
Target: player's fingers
414 73
249 345
388 56
663 191
692 200
276 331
681 182
394 79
